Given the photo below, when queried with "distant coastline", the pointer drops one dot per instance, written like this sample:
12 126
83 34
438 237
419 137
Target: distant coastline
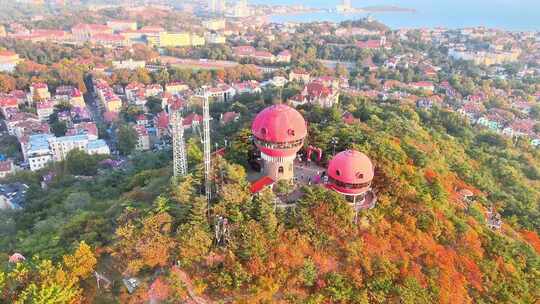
388 8
364 11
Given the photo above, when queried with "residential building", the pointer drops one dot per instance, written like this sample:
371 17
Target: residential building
110 40
143 139
423 86
44 109
83 32
6 168
129 64
221 92
176 87
299 75
192 120
37 152
215 38
39 91
316 93
247 87
84 128
20 124
8 61
372 44
214 24
284 56
44 148
61 146
122 25
8 104
166 39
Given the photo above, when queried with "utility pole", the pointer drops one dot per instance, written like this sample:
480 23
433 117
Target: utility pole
179 145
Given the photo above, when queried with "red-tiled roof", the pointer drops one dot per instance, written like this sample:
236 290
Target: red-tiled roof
151 29
244 50
39 85
260 184
317 89
188 120
44 104
7 54
349 119
6 165
422 84
108 37
229 117
264 54
8 102
90 27
370 44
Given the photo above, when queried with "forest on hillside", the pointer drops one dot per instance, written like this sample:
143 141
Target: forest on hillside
422 243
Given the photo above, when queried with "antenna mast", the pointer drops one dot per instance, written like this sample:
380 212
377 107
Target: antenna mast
206 145
179 145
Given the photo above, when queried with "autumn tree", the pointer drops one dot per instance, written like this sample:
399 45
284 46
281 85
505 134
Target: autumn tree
82 262
148 245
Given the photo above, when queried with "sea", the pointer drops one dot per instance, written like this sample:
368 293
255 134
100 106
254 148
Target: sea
512 15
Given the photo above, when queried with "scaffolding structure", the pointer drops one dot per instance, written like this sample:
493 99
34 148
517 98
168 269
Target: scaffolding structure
179 144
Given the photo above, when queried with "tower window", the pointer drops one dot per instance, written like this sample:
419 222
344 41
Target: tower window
280 170
338 173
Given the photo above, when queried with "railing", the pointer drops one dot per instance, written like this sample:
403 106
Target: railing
347 185
283 145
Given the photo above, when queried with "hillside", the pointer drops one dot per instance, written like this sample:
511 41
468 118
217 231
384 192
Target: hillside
422 243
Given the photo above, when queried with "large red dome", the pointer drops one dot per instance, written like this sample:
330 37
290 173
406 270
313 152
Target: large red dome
351 172
279 124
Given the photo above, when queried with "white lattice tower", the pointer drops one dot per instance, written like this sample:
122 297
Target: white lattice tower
179 145
206 145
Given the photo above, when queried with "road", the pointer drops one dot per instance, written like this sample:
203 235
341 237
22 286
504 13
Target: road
93 105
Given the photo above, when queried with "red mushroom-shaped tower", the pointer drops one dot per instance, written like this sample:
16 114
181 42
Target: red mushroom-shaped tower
350 173
279 132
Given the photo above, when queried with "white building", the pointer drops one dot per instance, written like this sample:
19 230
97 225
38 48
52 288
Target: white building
44 148
122 25
37 152
44 109
129 64
221 92
8 61
143 139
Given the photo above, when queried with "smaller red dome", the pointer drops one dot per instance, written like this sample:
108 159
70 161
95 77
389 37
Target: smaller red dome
279 124
351 172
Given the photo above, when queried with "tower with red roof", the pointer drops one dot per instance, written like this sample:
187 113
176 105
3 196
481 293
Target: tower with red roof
279 132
